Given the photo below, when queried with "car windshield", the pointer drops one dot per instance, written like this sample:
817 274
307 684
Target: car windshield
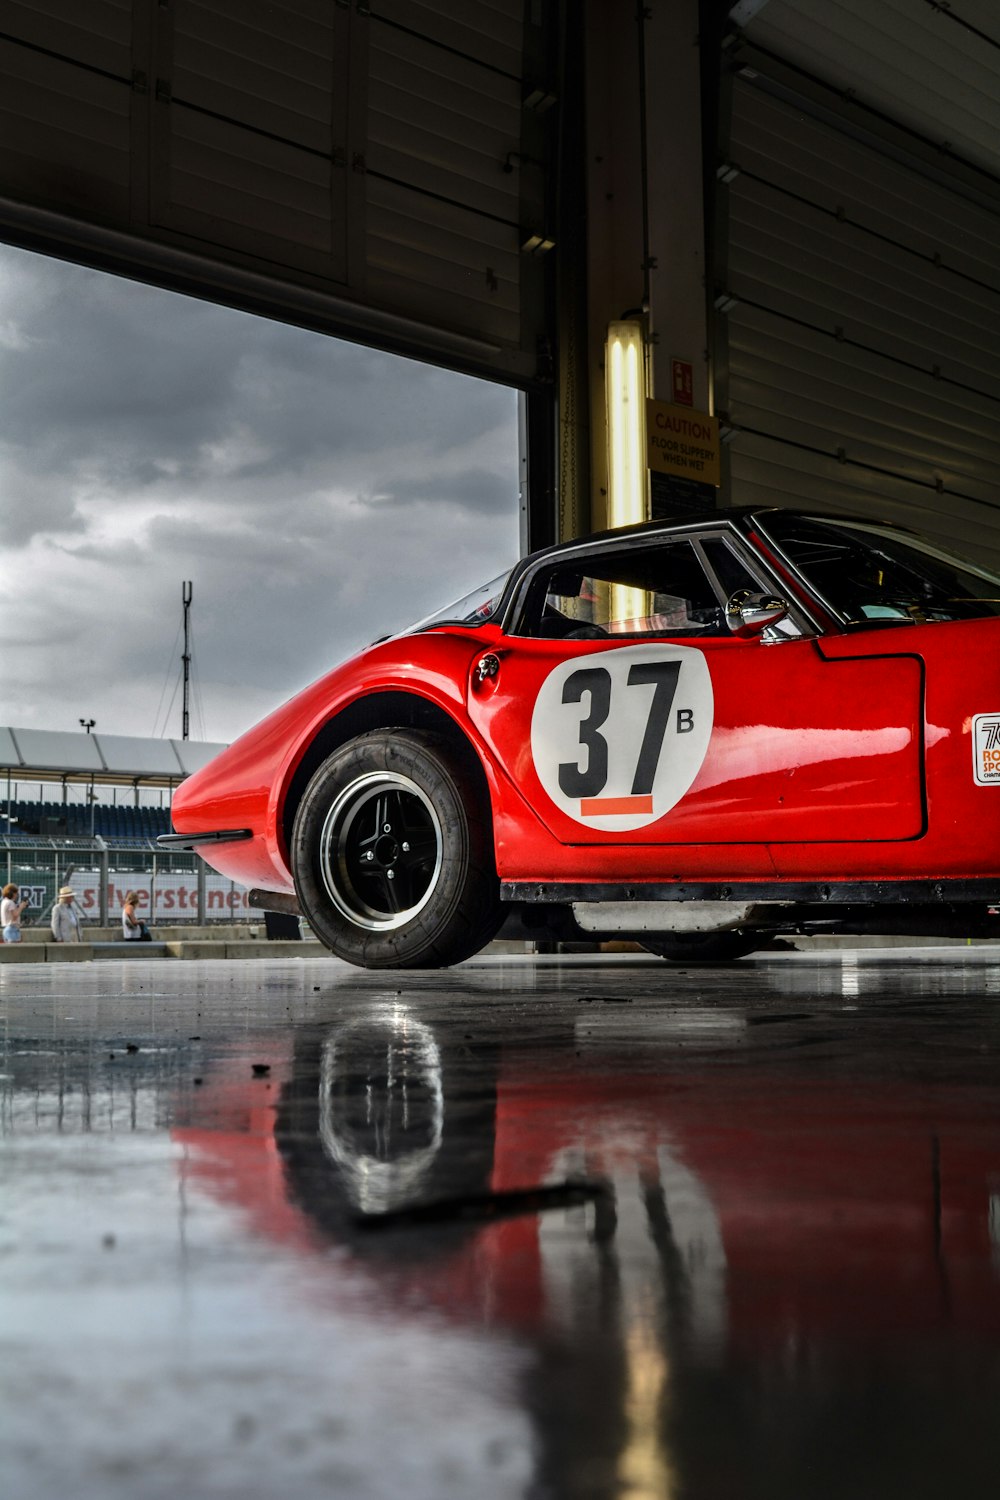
871 573
472 609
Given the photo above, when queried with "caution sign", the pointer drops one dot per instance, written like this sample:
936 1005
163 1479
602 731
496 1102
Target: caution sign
683 442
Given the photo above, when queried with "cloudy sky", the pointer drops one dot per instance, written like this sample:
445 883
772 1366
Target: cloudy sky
316 494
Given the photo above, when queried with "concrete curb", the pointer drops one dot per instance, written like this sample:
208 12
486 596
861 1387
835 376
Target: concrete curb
61 953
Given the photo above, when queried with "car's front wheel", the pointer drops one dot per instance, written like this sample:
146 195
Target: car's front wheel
392 853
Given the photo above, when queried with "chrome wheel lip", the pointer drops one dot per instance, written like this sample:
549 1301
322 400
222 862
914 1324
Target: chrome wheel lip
391 1175
346 808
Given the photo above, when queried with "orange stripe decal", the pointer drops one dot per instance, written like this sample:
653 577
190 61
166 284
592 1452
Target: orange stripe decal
608 807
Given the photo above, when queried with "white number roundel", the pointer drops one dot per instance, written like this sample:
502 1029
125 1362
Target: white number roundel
617 737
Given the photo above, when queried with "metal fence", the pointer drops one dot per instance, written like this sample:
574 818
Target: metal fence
171 888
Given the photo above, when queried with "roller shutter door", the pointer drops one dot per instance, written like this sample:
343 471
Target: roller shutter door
368 162
248 126
860 318
65 113
444 114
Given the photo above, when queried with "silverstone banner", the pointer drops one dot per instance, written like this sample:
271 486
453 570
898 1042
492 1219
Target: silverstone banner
176 895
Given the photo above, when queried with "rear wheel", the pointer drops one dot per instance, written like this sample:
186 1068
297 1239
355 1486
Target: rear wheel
392 853
704 947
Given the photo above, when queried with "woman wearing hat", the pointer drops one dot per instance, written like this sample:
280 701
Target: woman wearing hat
66 918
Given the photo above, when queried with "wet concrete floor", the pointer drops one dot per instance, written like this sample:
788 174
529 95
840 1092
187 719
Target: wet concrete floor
528 1228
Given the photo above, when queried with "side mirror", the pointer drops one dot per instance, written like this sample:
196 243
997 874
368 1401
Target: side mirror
748 613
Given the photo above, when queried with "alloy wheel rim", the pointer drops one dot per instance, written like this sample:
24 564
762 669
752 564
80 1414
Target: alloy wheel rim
381 851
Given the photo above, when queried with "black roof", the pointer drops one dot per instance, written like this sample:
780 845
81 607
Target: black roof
730 515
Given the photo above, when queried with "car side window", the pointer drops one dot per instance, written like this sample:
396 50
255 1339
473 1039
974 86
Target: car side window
873 575
728 567
632 591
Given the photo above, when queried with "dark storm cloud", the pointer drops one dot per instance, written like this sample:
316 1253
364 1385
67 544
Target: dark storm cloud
120 378
306 409
316 493
143 387
477 490
35 502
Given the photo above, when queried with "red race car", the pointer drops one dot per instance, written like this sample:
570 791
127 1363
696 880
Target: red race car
693 736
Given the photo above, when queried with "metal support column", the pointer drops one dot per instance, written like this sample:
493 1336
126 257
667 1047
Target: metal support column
103 882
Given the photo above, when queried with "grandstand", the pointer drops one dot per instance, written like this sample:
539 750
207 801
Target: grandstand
116 823
99 826
76 765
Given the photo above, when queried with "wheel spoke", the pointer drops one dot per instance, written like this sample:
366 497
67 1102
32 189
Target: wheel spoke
408 884
370 818
383 808
417 837
379 891
395 900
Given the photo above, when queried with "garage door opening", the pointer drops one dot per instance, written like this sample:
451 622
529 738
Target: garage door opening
318 494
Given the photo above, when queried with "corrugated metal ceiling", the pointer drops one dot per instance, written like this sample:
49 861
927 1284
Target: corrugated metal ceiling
370 165
933 67
863 270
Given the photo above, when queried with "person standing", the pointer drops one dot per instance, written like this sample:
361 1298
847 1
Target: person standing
10 914
66 918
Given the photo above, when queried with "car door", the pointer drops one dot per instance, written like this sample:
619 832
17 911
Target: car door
628 712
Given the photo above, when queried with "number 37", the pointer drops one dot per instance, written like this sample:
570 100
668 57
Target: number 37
590 780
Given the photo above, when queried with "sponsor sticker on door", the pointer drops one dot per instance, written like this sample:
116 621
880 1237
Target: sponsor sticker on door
986 749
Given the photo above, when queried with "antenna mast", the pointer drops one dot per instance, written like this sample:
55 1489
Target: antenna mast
187 590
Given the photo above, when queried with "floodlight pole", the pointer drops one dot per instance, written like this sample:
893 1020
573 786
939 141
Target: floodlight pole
187 590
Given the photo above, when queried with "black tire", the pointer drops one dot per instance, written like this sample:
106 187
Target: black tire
392 853
705 947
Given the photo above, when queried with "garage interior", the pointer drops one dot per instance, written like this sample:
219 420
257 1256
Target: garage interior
716 1231
794 201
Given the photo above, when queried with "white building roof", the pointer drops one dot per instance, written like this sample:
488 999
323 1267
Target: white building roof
50 754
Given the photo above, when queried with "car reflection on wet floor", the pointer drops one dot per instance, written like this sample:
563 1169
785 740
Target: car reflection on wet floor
559 1228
